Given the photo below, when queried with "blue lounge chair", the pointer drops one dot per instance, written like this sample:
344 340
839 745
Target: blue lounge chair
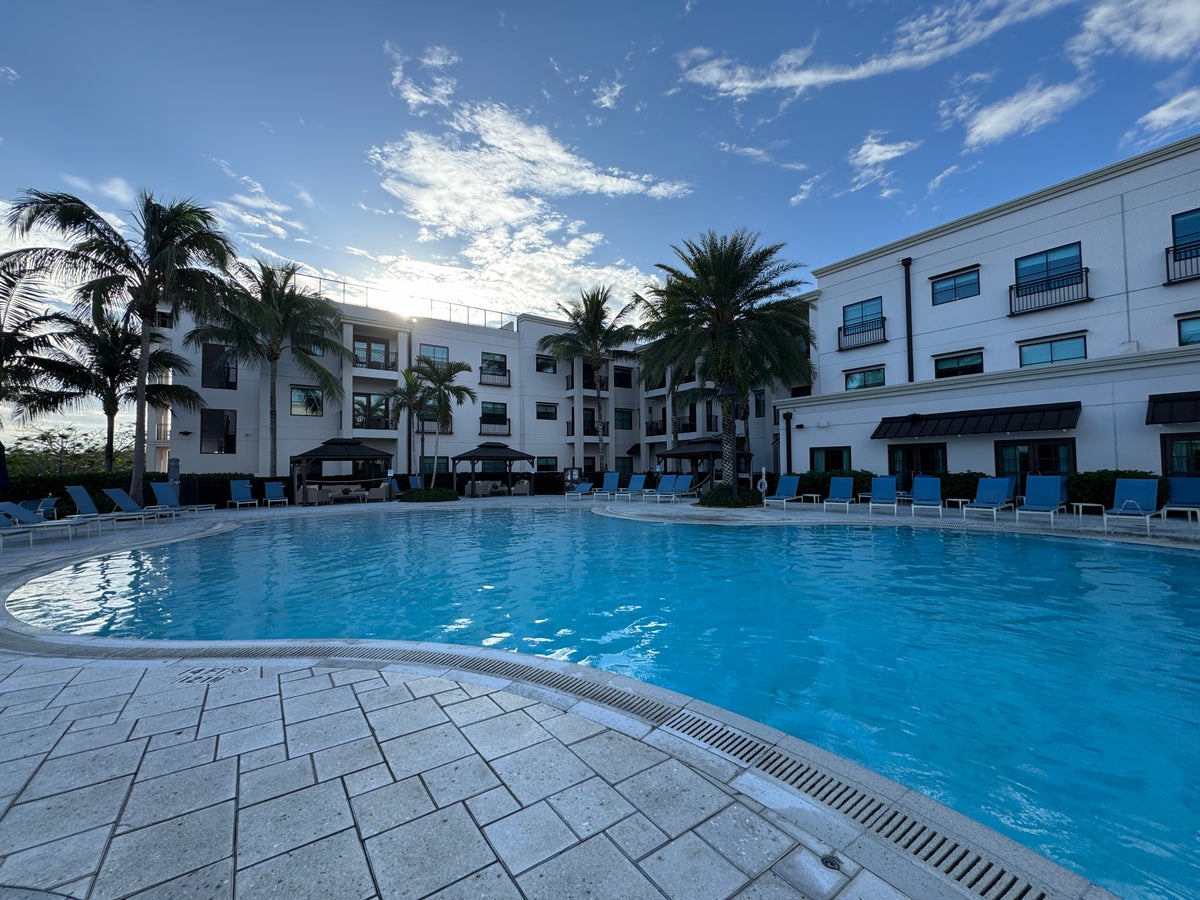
681 489
126 504
1183 496
991 495
664 486
1045 495
608 489
637 484
168 498
785 491
273 493
1135 498
35 523
927 494
87 509
583 489
43 507
883 494
841 492
239 494
414 483
10 529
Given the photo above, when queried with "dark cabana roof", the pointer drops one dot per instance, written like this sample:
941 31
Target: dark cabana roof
700 448
341 449
492 451
1008 419
1168 409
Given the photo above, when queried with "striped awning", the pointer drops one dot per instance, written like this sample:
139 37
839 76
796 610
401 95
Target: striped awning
1005 420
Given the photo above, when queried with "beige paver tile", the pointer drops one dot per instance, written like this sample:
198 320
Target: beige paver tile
673 797
349 757
15 774
424 687
504 734
365 780
410 754
352 676
36 822
405 718
334 867
590 807
154 703
459 780
170 738
239 716
745 839
529 836
211 882
66 773
369 684
689 869
56 862
388 695
536 772
295 688
239 690
31 741
79 739
615 756
493 883
637 835
263 756
318 703
474 710
122 686
492 805
276 826
176 720
167 796
594 868
26 721
89 709
508 701
272 781
457 695
447 842
256 737
391 805
570 728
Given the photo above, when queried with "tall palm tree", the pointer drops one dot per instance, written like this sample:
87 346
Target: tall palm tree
265 314
731 309
27 334
591 334
409 399
98 360
172 257
442 394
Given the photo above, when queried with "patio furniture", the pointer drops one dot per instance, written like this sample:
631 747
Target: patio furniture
273 493
380 492
991 495
1183 496
635 488
664 486
126 504
10 529
43 507
414 483
239 494
1045 495
1134 498
168 498
34 522
87 509
785 491
608 489
680 490
583 489
841 491
883 494
927 494
315 495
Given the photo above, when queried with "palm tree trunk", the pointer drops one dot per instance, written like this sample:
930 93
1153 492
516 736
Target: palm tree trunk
139 422
273 420
728 442
602 456
436 437
109 440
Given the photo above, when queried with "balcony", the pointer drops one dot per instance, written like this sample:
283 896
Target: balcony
430 426
495 378
374 423
1048 292
589 383
860 334
590 429
1183 262
381 361
162 431
655 428
683 426
493 425
712 423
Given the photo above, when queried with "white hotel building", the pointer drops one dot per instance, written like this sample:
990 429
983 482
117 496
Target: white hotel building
1055 333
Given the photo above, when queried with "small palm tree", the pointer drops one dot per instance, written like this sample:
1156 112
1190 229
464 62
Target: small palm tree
172 257
98 360
442 394
265 315
591 334
27 334
731 309
410 399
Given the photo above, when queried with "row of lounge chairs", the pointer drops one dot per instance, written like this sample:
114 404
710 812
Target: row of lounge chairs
671 488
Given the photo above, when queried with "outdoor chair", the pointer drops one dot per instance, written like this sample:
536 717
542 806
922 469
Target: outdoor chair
239 495
680 490
608 489
43 507
1045 495
883 494
664 486
273 493
168 498
34 522
583 489
785 491
126 504
1183 496
635 488
927 494
1134 498
841 492
991 495
10 529
86 509
414 483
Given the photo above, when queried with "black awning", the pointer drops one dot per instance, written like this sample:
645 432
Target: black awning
1006 420
1168 409
634 450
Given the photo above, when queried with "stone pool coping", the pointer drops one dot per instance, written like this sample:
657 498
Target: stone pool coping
714 787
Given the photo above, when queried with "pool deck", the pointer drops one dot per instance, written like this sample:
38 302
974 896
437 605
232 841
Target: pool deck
356 769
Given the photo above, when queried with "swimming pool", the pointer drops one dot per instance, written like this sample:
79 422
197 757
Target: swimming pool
1045 687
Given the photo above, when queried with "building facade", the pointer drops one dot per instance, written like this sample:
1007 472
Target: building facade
1055 333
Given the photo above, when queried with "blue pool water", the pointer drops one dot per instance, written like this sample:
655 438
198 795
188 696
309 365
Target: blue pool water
1048 688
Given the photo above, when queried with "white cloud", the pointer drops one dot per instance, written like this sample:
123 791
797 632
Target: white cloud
439 88
117 189
1022 113
869 161
754 154
1158 30
251 214
805 190
8 75
303 196
1180 113
608 93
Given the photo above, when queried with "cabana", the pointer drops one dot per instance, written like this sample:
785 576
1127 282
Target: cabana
337 450
494 451
704 454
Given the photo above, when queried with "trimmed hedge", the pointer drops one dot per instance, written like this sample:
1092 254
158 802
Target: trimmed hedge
721 495
429 495
1101 486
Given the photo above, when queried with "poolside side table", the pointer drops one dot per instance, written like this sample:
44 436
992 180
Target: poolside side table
810 498
956 502
864 497
1078 508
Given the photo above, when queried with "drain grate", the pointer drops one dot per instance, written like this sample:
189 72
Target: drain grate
945 854
210 674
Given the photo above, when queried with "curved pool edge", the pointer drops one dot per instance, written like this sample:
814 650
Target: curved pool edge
915 843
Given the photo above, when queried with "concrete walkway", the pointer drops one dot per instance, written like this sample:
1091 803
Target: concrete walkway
171 774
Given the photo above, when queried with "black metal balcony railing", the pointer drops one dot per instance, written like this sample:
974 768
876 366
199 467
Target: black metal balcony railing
655 428
712 423
373 423
1183 262
595 429
683 425
1057 291
382 362
430 426
496 379
872 331
589 383
494 425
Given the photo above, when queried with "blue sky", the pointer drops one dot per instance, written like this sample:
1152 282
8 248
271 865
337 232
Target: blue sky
505 156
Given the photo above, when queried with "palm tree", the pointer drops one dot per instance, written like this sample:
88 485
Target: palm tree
171 258
731 310
441 394
264 315
411 399
27 333
595 337
99 361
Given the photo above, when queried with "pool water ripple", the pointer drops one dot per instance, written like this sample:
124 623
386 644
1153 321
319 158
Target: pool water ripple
1047 687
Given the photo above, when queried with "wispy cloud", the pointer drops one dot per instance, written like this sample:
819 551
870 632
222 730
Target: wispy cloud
117 189
1158 30
805 190
252 214
869 161
8 75
1023 113
1179 114
438 88
608 93
754 154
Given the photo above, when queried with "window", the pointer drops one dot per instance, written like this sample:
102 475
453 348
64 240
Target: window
218 431
623 419
865 378
589 464
760 404
547 365
312 351
493 413
623 376
862 324
443 465
370 354
623 465
371 411
802 390
1049 270
547 463
970 363
492 467
1043 457
164 319
866 312
215 371
1189 331
829 459
955 286
307 401
1185 234
1056 350
547 411
907 460
493 363
1181 454
435 352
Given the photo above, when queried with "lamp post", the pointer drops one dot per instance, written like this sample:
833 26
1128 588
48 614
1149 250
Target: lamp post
727 395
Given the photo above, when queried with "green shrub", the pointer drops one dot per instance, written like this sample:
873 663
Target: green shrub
721 496
429 495
818 482
1100 486
961 484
